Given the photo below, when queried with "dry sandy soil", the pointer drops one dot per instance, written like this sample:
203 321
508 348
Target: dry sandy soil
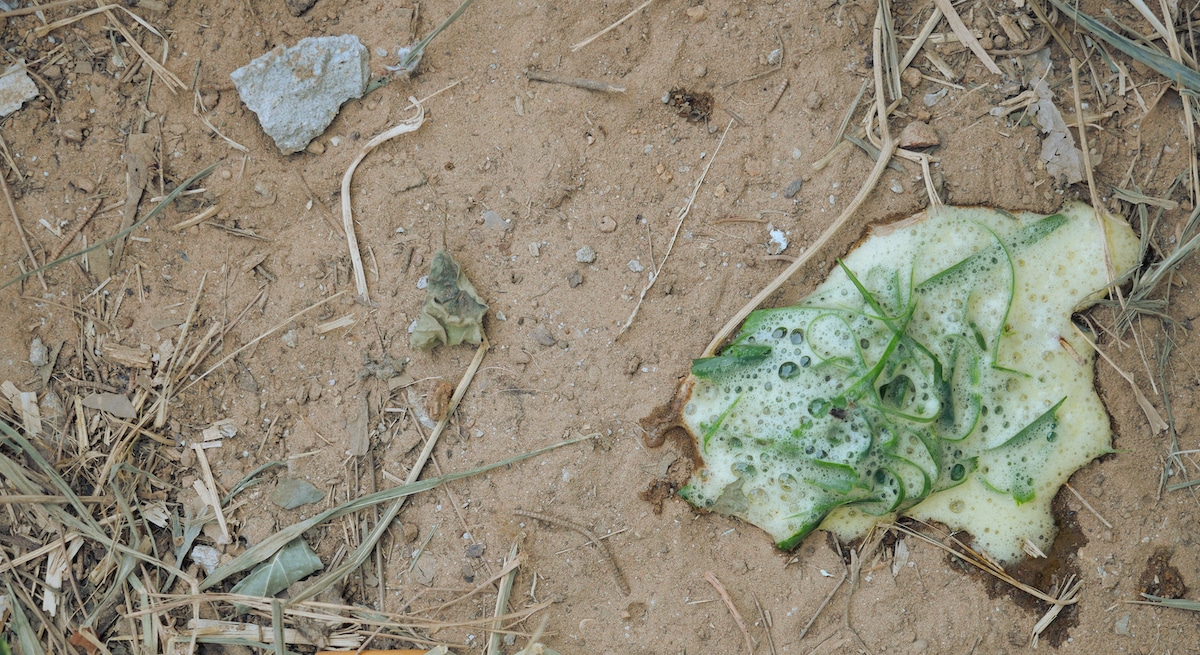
564 168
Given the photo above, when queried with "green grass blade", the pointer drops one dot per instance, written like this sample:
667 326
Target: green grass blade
267 547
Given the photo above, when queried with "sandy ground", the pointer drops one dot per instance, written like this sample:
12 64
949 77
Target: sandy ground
565 168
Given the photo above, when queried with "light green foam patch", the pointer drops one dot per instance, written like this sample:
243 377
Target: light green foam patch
927 376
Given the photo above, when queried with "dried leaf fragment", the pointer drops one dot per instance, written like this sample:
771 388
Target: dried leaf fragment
453 311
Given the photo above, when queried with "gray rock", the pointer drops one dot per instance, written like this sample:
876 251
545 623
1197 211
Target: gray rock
15 89
585 255
296 92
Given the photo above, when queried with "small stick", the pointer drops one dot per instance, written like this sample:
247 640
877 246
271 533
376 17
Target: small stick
887 149
687 208
12 208
778 94
824 603
1091 178
1088 505
260 337
493 646
33 10
75 231
578 82
20 499
577 46
403 127
622 583
964 34
712 580
766 621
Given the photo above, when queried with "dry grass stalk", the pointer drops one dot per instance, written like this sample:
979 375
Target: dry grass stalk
1088 506
887 149
493 647
622 583
13 13
1157 424
207 490
577 82
12 209
712 580
683 214
581 44
385 520
278 326
981 562
822 606
964 34
404 127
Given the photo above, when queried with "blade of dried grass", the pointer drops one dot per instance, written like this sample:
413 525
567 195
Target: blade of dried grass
26 636
267 547
278 326
887 149
404 127
1167 67
493 647
964 34
1157 424
581 44
364 549
1138 198
970 556
683 214
1173 603
158 209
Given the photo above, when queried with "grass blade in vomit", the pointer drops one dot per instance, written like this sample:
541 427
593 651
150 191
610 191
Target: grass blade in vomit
925 376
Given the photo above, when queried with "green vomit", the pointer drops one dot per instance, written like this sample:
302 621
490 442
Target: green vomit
927 376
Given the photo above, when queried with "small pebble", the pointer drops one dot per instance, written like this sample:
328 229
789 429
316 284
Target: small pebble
792 189
72 135
575 279
225 174
918 134
813 100
635 266
39 355
700 70
542 336
492 220
315 148
697 14
585 255
83 184
52 72
475 551
911 77
606 224
897 187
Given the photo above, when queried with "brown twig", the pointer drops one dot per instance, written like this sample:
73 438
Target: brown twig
821 608
766 621
622 583
12 208
577 82
75 231
712 580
